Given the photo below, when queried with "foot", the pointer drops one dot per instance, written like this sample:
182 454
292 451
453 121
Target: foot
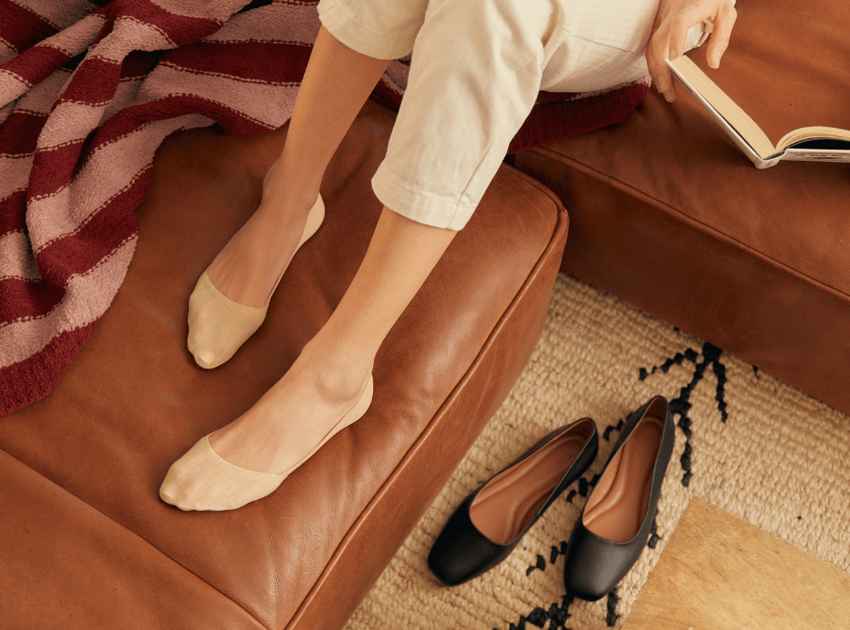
247 269
250 457
230 299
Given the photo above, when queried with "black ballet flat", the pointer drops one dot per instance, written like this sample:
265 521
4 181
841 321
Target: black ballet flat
617 518
491 521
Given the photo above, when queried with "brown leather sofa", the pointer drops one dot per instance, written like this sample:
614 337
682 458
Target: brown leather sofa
671 217
86 544
665 213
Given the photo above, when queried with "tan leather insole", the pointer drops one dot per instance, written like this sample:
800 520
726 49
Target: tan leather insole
508 502
618 502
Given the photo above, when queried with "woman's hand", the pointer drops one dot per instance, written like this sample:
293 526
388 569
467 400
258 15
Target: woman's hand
669 39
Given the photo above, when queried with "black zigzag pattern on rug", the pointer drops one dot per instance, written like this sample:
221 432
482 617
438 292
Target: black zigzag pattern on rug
707 357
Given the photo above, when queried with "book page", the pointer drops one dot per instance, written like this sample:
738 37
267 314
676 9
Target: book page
720 104
814 133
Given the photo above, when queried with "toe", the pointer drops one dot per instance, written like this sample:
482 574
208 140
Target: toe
206 359
174 489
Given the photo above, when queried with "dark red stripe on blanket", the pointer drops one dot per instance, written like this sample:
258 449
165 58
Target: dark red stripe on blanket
13 212
99 236
36 64
23 298
180 29
21 27
93 81
257 61
34 378
19 132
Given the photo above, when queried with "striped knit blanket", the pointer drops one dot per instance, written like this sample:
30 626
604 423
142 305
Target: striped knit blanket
89 90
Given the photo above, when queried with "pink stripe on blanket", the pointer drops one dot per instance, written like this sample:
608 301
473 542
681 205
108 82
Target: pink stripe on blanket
263 103
16 261
14 172
86 298
218 11
41 98
75 39
128 35
278 22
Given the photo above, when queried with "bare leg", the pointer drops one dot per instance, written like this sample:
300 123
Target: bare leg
328 375
336 83
498 81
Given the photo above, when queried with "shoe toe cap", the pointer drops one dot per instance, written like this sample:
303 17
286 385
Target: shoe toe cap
461 553
450 563
593 568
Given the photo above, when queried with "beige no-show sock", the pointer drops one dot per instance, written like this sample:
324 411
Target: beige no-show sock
218 326
203 480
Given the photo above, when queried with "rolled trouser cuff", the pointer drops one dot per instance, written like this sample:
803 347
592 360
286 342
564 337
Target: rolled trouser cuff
354 30
418 204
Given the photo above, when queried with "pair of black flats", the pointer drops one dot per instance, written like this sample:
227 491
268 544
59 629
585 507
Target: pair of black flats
614 525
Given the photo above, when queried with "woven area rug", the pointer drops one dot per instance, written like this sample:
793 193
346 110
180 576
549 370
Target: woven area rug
745 443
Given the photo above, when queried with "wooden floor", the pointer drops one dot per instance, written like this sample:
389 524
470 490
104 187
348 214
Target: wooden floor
720 573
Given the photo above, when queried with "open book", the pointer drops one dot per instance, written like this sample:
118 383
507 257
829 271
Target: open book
808 144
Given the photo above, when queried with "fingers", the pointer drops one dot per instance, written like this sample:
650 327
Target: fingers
679 36
656 60
671 36
719 41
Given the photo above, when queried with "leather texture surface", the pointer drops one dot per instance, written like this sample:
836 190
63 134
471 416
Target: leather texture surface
462 552
92 546
667 214
595 564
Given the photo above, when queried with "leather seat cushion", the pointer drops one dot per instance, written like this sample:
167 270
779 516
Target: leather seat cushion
91 544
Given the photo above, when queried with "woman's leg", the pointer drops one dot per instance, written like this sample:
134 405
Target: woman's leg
474 77
336 83
329 373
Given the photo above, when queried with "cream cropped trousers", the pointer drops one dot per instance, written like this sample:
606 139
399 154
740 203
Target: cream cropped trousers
476 69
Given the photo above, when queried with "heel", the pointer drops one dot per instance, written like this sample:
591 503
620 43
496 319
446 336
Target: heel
362 406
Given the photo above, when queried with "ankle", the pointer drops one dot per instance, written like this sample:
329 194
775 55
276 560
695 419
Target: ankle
282 190
338 374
